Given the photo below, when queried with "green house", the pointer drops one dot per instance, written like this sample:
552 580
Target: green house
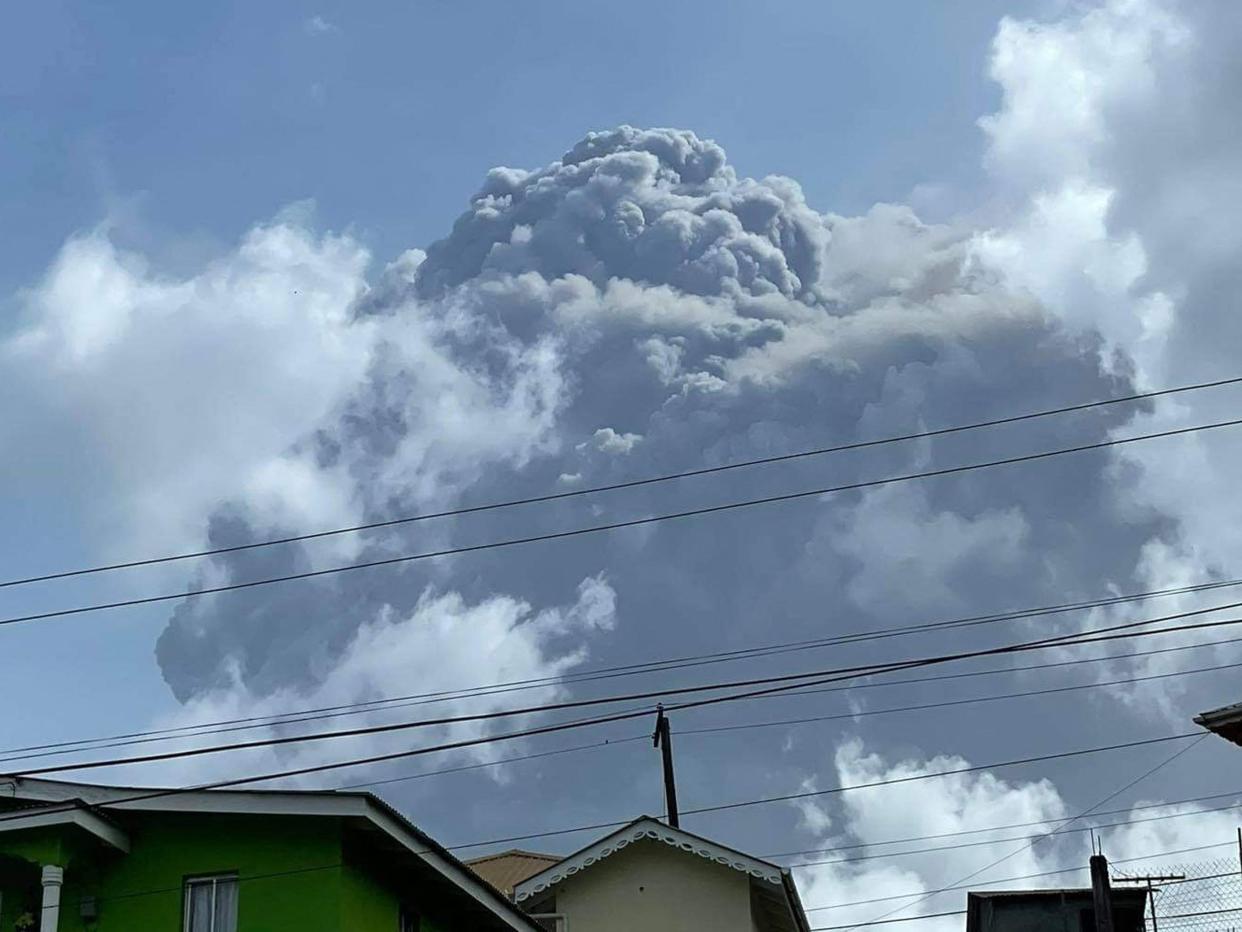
80 858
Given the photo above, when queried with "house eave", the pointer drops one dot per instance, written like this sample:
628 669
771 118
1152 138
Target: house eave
78 816
356 805
1225 722
639 830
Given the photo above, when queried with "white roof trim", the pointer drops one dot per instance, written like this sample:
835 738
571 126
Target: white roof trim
84 819
449 868
270 802
646 828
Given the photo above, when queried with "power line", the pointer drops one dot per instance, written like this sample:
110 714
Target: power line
995 671
995 841
884 922
532 732
616 486
697 811
786 679
1067 870
298 871
654 666
145 795
1037 824
596 745
209 728
988 883
611 526
1207 912
1068 640
807 794
831 675
948 703
974 768
614 742
1061 828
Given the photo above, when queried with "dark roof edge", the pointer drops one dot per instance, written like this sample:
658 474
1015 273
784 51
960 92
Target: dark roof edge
795 901
1226 715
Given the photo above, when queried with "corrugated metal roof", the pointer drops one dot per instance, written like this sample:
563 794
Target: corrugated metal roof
507 869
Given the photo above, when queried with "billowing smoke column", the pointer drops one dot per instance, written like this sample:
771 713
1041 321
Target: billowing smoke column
633 308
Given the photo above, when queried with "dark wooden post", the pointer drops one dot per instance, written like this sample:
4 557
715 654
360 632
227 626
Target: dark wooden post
663 739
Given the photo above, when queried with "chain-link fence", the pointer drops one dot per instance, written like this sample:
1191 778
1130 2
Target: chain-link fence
1204 896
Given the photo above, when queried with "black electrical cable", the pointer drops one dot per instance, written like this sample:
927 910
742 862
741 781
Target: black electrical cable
850 672
545 729
1233 794
1063 827
806 794
988 883
655 666
298 871
616 486
950 703
611 526
879 855
597 745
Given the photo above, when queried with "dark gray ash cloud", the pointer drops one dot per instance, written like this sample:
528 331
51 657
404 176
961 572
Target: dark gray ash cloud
638 288
635 307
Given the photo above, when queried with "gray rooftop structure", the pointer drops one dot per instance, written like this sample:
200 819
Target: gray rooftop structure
1226 722
1068 910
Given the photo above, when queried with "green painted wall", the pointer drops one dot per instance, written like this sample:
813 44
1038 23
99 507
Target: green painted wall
296 873
366 904
372 900
289 869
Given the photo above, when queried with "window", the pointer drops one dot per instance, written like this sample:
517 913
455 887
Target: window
211 904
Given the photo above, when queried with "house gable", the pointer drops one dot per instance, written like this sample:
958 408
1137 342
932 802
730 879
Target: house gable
652 876
645 829
653 886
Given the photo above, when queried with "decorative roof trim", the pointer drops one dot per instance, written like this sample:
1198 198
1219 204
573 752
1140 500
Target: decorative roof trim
642 829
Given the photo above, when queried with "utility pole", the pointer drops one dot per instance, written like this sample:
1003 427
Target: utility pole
1151 880
663 739
1101 894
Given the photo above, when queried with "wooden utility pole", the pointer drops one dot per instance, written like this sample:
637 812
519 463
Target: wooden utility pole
663 739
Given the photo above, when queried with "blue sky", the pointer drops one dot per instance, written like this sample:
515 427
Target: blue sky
190 122
180 127
249 291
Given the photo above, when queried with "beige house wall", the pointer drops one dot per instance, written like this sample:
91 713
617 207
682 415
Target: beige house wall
652 887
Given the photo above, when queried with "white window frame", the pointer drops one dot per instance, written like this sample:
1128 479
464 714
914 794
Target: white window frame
198 880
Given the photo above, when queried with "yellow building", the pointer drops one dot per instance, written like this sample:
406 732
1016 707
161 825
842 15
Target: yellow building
653 877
